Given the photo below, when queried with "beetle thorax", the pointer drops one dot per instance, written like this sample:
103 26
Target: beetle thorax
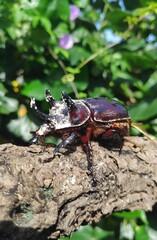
59 115
63 118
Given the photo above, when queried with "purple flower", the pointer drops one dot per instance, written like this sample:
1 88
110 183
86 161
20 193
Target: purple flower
74 12
66 41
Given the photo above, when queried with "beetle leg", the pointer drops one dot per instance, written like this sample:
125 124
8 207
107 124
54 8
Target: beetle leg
86 144
88 149
34 139
115 138
38 112
70 139
40 134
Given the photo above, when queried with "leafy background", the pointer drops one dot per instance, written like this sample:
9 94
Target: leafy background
111 52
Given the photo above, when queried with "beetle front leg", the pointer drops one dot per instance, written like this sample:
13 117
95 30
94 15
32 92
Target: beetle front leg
69 140
40 134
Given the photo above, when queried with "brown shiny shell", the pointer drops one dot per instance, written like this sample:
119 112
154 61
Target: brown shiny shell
104 111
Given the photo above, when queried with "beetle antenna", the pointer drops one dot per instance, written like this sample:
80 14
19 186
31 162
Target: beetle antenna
68 100
49 99
38 112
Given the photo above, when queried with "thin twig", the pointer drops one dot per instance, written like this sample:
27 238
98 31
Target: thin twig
62 65
97 53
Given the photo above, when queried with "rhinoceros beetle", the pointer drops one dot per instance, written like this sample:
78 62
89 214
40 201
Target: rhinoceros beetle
82 120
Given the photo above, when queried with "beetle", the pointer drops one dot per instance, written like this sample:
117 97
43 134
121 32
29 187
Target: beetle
82 120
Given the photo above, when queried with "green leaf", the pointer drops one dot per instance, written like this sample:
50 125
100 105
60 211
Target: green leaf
139 61
144 110
46 24
117 18
8 105
63 9
78 54
59 86
152 233
140 214
81 95
126 231
131 5
134 44
61 29
65 53
73 70
21 127
81 79
151 53
58 8
87 232
141 233
101 91
3 89
35 88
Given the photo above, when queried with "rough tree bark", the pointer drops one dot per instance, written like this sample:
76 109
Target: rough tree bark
44 199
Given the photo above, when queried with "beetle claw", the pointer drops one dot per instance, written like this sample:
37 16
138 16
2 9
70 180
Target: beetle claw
69 140
34 139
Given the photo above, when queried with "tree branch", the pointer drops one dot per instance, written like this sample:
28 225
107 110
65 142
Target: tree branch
42 199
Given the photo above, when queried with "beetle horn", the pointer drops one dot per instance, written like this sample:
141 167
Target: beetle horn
68 100
49 99
38 112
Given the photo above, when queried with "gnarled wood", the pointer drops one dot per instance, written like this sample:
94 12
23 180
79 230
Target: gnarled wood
41 199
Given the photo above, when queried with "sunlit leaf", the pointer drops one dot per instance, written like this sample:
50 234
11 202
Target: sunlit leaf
78 54
21 127
140 214
141 232
3 90
144 110
87 232
126 231
8 105
46 24
152 233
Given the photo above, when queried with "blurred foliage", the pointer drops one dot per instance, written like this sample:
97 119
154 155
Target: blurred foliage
113 54
123 226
